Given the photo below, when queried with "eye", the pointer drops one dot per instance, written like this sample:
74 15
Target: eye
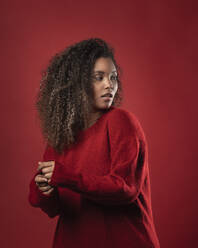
114 78
98 78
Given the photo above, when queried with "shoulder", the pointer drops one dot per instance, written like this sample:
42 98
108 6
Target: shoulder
125 122
122 117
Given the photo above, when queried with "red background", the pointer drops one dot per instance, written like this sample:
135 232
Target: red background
156 45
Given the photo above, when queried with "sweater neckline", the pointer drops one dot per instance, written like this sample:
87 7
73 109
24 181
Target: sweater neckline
87 130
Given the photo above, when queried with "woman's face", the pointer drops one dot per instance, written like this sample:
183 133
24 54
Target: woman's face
104 81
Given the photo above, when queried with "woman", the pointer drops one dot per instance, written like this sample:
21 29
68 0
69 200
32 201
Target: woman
94 174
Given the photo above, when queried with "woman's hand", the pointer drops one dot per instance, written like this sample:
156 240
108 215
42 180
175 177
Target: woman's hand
46 169
42 184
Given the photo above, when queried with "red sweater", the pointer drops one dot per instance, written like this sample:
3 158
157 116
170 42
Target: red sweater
102 187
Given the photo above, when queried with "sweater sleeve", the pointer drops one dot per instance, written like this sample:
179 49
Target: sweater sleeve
123 183
48 203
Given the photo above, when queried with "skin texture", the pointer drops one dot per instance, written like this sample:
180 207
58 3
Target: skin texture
104 80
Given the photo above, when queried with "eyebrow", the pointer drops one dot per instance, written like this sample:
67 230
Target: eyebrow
103 72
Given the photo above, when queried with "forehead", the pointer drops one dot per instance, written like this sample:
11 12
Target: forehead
104 65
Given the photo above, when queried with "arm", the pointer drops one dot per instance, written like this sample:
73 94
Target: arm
123 183
48 203
62 200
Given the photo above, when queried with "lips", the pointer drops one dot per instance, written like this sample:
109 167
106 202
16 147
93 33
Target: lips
107 95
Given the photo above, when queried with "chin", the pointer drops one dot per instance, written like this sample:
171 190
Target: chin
104 107
100 106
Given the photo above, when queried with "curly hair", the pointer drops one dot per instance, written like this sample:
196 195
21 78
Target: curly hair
66 94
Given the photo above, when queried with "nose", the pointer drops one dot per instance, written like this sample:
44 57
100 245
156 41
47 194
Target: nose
108 82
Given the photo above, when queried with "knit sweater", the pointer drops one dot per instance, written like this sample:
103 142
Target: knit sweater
101 187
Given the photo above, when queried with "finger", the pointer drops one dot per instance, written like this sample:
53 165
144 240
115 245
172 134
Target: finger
47 170
48 192
40 168
45 164
40 179
46 188
42 184
48 175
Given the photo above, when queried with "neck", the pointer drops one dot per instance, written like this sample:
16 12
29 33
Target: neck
94 116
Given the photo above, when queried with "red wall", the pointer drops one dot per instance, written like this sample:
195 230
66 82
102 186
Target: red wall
156 45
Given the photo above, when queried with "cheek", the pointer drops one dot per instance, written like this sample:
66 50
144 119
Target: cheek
116 88
96 90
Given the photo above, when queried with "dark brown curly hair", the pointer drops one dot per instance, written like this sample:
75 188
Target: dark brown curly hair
65 96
